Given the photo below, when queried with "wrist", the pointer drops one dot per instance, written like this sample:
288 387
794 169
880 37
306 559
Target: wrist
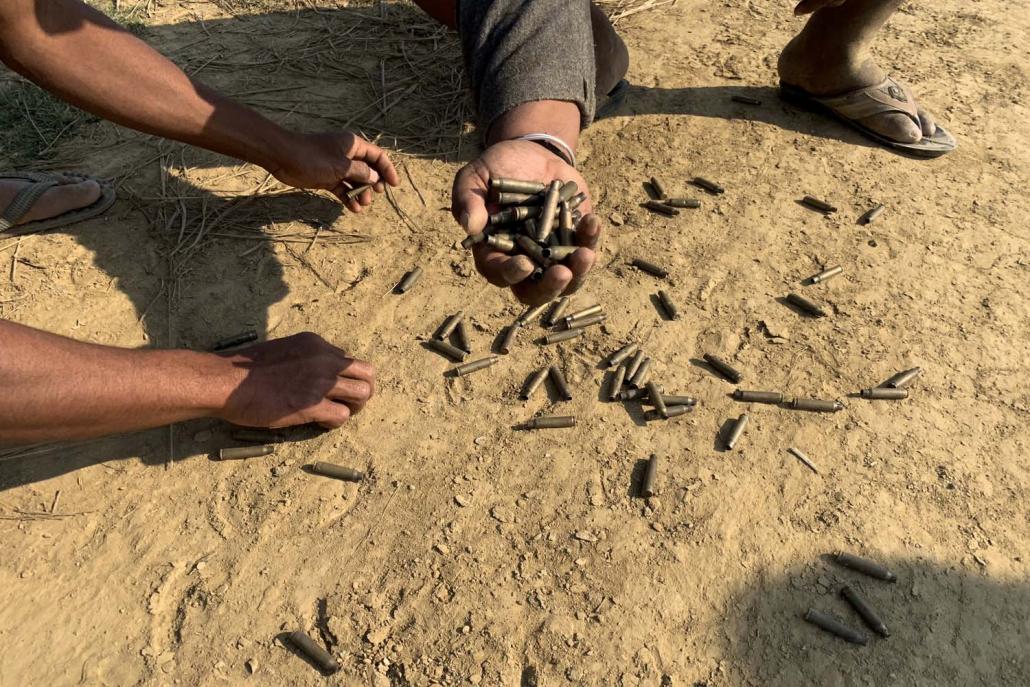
558 118
209 380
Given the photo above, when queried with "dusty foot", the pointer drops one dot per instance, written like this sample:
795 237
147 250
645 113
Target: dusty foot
815 69
56 201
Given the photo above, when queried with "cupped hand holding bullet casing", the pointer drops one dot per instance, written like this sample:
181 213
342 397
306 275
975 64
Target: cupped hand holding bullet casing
471 207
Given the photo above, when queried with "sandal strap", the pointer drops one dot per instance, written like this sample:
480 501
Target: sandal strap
23 202
887 96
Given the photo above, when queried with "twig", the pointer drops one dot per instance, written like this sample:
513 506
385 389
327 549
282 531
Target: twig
411 180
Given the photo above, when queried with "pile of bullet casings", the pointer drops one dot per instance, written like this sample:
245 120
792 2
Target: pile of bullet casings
872 620
536 219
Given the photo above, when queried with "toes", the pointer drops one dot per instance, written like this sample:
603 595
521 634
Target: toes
895 126
64 198
927 121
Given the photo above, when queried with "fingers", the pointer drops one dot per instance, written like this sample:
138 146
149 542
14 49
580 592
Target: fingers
351 392
330 414
516 269
357 173
360 370
376 158
927 123
555 280
588 233
468 199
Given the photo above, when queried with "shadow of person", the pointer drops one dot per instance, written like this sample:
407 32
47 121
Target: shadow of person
948 624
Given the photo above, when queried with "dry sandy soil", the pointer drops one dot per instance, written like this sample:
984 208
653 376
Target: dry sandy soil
478 555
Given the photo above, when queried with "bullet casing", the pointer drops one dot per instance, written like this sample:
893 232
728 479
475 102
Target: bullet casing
707 185
560 306
567 191
580 314
447 328
834 626
531 314
243 452
670 412
574 202
640 376
661 208
670 308
461 334
516 213
758 396
820 205
545 222
803 458
650 268
723 368
566 227
736 430
473 239
409 280
560 384
564 335
825 274
673 400
816 405
355 192
502 185
508 198
636 394
475 366
871 214
618 378
509 338
634 363
505 244
647 486
621 354
322 658
448 349
659 190
337 472
236 340
862 607
559 253
903 379
551 422
533 383
805 304
883 393
534 250
654 396
865 566
587 321
690 203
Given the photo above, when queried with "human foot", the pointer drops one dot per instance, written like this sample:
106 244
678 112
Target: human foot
828 70
54 202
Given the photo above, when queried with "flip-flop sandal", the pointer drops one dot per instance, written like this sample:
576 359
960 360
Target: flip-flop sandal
41 182
888 96
612 101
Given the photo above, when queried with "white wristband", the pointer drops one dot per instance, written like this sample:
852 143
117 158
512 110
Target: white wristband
564 149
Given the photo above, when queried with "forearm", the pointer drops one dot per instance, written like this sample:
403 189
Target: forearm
76 52
53 388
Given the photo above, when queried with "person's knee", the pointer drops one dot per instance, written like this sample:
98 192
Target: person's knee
610 53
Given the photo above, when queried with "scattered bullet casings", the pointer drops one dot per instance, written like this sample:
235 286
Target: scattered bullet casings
670 412
758 396
658 189
509 337
533 383
903 379
816 404
640 375
647 485
473 239
671 311
745 99
707 185
635 394
871 214
531 314
564 335
448 349
242 452
560 385
448 326
461 333
806 305
691 203
883 393
865 566
819 205
723 368
803 458
825 274
551 422
560 306
322 658
869 616
621 354
237 340
545 222
475 366
504 244
259 436
409 280
618 377
654 395
661 208
355 192
736 430
650 268
634 363
337 472
587 321
558 253
502 185
827 622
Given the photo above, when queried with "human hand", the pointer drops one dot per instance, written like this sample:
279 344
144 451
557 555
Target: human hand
338 163
809 6
294 381
470 207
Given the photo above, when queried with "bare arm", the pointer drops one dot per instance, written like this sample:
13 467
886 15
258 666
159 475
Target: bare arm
53 388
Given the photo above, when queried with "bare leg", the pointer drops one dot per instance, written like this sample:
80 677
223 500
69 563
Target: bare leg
830 57
56 201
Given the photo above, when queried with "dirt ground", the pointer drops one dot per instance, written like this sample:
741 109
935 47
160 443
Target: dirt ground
475 554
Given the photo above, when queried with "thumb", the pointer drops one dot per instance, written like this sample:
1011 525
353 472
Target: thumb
468 200
358 173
